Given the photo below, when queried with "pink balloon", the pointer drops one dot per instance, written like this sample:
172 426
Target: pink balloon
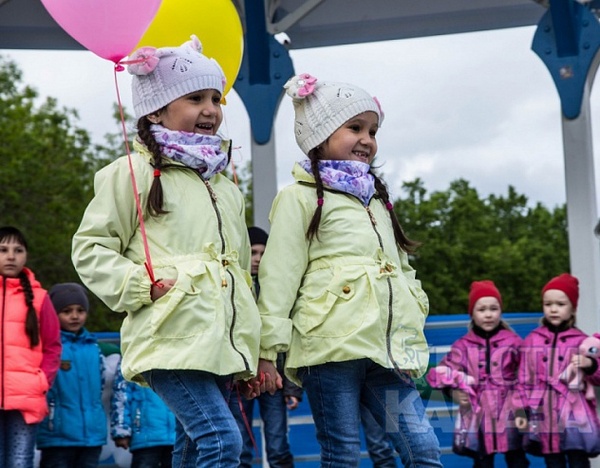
109 28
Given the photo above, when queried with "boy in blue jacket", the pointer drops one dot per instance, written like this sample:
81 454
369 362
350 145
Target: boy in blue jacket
73 433
142 423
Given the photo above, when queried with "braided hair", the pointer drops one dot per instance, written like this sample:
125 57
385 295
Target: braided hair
403 242
155 197
32 326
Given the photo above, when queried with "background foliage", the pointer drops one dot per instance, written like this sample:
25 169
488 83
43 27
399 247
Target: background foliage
47 165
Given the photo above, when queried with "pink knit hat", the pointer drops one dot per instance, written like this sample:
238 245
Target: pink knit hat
567 284
484 288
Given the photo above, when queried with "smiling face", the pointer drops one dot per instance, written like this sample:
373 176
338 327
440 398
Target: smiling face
557 306
13 256
487 313
197 112
353 141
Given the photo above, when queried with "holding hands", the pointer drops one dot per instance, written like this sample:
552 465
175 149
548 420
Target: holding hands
268 380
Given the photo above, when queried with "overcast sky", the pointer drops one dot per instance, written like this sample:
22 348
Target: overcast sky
479 106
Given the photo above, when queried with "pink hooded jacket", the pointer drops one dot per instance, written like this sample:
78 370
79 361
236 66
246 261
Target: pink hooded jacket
485 367
564 418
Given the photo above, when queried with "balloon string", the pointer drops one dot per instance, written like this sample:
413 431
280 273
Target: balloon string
136 196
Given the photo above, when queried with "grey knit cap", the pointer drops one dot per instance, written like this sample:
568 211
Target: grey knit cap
162 75
65 294
321 107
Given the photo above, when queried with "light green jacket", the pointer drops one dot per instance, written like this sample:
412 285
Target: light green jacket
209 320
349 295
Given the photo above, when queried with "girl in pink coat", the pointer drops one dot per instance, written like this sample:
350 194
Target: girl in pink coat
562 423
480 371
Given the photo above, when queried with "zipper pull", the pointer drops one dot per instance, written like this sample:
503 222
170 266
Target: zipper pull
213 195
371 216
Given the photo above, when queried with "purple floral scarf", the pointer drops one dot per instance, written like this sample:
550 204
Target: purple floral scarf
346 176
200 152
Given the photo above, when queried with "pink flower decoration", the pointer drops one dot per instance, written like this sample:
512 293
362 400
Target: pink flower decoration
300 86
307 85
143 61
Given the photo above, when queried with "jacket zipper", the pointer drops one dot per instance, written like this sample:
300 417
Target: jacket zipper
213 199
550 374
488 368
388 329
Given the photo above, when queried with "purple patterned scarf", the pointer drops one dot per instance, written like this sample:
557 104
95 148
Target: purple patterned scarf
346 176
200 152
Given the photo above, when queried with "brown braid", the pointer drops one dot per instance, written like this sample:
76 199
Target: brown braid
155 197
313 227
32 327
403 242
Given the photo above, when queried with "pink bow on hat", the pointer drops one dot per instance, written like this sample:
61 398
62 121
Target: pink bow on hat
303 86
143 61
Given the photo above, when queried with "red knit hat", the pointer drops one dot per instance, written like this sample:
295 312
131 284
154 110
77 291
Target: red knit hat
567 284
479 289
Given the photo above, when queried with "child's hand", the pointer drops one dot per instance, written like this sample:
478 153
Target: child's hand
250 388
581 362
157 292
122 442
291 402
521 423
272 380
462 399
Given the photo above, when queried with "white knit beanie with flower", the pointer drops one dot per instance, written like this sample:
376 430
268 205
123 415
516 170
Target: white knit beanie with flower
162 75
323 107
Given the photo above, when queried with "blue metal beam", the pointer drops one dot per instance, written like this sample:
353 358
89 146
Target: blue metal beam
567 39
266 66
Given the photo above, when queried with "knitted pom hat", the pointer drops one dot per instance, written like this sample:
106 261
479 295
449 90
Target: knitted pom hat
323 107
162 75
65 294
479 289
257 236
567 284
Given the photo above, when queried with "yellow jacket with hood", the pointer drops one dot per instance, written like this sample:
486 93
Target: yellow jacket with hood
351 294
208 321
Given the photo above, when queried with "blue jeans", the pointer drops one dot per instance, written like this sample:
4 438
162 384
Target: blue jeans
378 445
273 413
335 392
206 434
160 456
17 440
70 457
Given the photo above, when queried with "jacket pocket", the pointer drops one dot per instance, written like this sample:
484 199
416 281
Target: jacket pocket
340 309
186 310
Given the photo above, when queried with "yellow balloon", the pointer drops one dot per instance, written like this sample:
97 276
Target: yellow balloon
215 22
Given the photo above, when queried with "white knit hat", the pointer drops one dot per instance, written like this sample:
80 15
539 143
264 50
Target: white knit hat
162 75
323 107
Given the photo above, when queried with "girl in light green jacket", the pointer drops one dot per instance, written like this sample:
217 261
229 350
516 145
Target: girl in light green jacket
337 292
192 326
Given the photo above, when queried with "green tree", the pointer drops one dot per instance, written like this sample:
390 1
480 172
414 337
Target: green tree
47 165
465 238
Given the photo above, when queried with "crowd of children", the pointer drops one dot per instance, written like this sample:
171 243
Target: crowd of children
338 300
532 395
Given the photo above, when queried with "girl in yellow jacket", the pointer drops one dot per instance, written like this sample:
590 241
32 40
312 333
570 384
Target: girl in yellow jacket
194 329
337 291
30 349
